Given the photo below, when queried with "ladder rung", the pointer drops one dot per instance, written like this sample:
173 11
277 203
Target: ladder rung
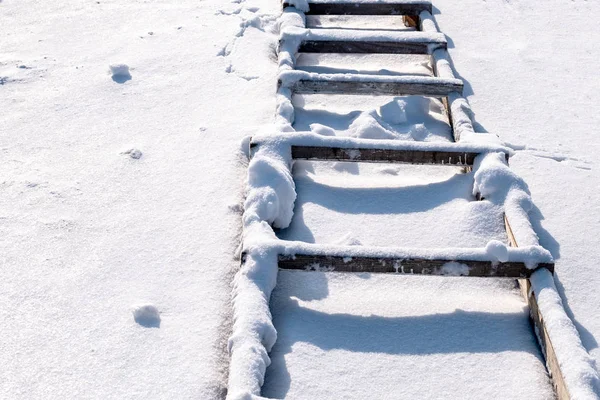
376 85
408 266
365 8
310 146
384 155
381 42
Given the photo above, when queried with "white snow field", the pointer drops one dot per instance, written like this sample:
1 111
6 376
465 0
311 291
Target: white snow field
528 79
122 184
122 192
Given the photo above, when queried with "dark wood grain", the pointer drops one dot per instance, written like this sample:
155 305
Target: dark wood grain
408 266
383 155
552 364
366 8
541 332
371 47
437 89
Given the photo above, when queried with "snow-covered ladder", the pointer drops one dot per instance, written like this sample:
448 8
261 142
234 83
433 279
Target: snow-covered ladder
271 194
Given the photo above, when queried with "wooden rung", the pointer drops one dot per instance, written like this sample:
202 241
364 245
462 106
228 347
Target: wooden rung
383 155
382 42
371 47
433 87
360 8
407 266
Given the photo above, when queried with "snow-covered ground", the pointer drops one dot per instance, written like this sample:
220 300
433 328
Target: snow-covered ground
121 190
529 78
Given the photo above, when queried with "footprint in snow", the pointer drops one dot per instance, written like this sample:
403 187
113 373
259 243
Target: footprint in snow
147 315
133 153
120 72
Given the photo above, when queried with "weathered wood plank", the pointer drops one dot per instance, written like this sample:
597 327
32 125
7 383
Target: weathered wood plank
371 47
399 8
540 328
406 266
383 155
411 21
437 89
545 343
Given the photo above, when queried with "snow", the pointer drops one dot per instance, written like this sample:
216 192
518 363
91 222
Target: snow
87 233
133 153
363 117
122 192
497 250
512 86
374 22
282 142
301 5
576 365
454 268
288 78
147 315
253 332
360 35
120 72
332 203
357 336
271 190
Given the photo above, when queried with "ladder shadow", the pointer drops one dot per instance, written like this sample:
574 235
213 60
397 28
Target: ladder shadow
384 200
456 332
387 200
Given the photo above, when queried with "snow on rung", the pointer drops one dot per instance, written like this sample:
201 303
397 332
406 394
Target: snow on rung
406 7
325 263
494 260
313 83
372 42
309 146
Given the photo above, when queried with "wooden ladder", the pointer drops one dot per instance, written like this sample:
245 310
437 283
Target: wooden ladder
427 40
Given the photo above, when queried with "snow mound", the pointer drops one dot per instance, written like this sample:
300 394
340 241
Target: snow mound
271 189
394 112
301 5
497 250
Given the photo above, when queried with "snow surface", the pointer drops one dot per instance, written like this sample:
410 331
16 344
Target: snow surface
414 206
90 229
527 81
368 117
87 233
357 336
